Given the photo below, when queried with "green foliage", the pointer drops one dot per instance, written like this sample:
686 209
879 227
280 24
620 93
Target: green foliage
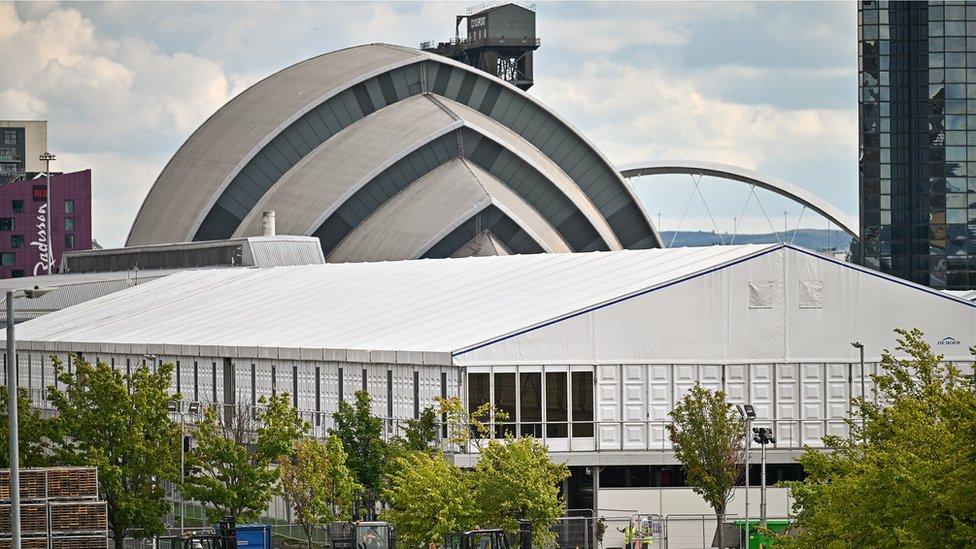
317 483
419 435
515 479
464 427
907 476
32 431
361 436
428 498
232 469
707 434
120 425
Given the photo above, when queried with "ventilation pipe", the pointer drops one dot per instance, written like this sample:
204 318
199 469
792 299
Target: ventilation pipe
268 223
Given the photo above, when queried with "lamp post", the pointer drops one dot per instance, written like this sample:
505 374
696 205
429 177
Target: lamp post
177 408
47 158
764 436
748 414
13 437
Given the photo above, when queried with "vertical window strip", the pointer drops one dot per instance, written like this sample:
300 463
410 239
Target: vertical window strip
416 394
340 386
318 396
294 386
389 394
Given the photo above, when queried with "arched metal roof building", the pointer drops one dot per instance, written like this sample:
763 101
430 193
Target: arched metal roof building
386 152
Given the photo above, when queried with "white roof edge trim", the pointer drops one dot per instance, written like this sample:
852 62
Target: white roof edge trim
282 127
626 297
743 175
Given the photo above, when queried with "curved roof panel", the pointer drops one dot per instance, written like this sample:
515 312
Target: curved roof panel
327 142
410 223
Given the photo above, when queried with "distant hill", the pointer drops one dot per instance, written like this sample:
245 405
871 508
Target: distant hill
814 239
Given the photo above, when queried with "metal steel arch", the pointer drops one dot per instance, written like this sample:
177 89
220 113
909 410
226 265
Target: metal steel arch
742 175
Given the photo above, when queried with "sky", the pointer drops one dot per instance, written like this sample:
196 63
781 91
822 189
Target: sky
767 86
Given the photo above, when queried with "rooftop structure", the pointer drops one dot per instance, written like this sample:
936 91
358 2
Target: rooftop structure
380 139
21 144
500 40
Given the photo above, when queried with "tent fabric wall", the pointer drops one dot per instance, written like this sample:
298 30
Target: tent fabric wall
713 317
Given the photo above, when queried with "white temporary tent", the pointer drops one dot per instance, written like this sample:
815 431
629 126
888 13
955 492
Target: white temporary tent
721 304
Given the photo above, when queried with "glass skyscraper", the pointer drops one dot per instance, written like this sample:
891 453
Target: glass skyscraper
917 89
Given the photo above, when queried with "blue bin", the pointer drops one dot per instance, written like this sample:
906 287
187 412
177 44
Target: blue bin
254 536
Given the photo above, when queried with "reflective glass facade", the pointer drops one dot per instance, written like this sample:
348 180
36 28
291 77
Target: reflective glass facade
917 89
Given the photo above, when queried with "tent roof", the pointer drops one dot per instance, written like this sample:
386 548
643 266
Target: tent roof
420 311
434 306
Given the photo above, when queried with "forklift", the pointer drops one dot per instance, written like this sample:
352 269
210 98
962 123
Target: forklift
361 535
488 538
224 536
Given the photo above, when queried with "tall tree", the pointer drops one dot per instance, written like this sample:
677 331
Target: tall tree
428 497
707 434
317 483
33 430
906 476
120 425
515 479
362 437
232 469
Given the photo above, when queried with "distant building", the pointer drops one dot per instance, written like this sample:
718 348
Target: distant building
21 144
26 243
917 80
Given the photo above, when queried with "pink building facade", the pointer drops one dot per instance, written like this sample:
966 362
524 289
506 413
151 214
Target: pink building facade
30 238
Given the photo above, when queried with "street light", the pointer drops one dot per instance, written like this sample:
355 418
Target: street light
13 437
193 409
47 158
748 414
764 436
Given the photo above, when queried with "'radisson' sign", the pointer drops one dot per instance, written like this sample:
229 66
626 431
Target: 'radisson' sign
42 242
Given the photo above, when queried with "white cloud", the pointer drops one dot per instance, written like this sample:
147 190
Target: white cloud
637 114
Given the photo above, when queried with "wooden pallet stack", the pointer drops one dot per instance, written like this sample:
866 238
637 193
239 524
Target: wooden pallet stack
59 509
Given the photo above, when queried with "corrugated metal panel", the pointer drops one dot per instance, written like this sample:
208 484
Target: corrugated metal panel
424 305
279 251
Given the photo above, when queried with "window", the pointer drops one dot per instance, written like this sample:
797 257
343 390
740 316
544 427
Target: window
416 394
17 206
274 380
479 391
340 384
213 382
179 379
294 386
7 258
69 241
254 391
196 382
389 394
556 415
364 379
582 404
16 241
69 223
17 273
505 404
530 404
6 223
318 396
69 206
